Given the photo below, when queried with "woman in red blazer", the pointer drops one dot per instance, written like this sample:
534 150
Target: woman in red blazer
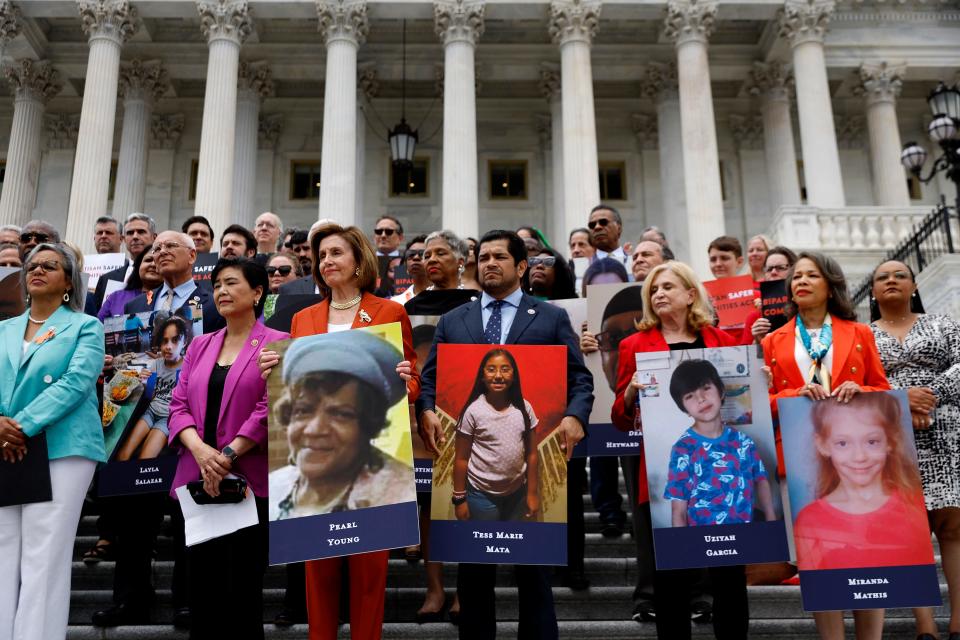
677 315
218 416
345 269
824 354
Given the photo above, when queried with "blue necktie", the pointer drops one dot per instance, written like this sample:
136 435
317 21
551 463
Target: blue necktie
493 329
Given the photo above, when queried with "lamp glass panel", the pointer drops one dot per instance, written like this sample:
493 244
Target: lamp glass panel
942 128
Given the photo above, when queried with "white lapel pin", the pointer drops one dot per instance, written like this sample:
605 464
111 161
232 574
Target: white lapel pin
531 311
364 316
255 342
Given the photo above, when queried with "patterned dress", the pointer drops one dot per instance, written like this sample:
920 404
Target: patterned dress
930 357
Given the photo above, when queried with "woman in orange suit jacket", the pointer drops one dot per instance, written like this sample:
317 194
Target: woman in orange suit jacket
824 354
345 269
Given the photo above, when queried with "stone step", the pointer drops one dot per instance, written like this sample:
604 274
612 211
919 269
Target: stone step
595 604
894 629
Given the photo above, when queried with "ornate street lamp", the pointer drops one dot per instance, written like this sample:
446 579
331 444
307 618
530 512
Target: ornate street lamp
944 105
403 139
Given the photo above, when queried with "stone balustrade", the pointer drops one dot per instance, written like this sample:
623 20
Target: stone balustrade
866 229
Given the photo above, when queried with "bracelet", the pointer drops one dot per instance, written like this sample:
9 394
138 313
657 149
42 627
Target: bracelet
459 494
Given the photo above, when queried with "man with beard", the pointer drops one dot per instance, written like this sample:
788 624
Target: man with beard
237 242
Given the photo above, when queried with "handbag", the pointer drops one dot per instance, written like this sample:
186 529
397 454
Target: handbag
27 481
232 491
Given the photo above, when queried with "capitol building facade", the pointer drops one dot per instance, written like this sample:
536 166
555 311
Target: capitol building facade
702 117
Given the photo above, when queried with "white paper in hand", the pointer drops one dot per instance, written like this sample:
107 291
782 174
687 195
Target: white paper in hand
203 522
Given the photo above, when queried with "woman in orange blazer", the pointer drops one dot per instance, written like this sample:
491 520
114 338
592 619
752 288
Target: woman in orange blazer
824 354
345 269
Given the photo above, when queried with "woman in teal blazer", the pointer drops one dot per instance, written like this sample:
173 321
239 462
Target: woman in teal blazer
50 358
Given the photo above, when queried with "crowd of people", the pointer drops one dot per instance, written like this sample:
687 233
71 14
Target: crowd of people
216 416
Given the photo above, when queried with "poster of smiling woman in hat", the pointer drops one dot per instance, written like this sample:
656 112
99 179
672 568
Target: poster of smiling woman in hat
341 464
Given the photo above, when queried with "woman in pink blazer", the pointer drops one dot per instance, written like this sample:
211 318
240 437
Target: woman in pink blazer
218 416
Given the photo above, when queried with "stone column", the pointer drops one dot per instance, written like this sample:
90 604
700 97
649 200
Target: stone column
689 24
108 24
33 83
772 82
458 24
254 82
573 24
343 26
368 88
645 129
660 85
58 148
165 132
550 87
880 86
804 23
10 24
226 24
141 85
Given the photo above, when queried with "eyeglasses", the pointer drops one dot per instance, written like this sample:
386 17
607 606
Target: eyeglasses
168 246
284 270
40 238
48 266
610 340
777 268
385 231
414 253
599 221
548 261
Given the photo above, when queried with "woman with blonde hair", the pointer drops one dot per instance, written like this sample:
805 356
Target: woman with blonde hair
757 248
677 315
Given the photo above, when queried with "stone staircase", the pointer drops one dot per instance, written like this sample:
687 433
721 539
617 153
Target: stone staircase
602 612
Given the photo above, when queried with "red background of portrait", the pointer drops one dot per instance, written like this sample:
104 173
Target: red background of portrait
543 376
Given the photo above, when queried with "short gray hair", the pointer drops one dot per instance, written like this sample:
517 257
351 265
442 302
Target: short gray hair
70 270
108 220
143 218
459 247
43 223
11 227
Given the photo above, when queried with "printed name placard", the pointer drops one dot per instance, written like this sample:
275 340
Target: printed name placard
341 468
500 406
710 458
859 518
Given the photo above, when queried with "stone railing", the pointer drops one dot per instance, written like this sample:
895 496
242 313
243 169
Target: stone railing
868 229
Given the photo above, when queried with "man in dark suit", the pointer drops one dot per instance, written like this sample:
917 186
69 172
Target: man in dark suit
300 286
139 232
505 315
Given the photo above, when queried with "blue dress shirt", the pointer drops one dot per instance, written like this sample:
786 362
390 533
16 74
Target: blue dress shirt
508 311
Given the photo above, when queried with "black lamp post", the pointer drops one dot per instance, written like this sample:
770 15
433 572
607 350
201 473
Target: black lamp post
944 104
403 139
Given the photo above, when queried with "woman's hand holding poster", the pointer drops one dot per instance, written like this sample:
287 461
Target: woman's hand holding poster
500 483
340 460
859 520
710 458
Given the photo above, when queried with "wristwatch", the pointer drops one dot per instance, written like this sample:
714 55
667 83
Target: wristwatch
230 453
458 501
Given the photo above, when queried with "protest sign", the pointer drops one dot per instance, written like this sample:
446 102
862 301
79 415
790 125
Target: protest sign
500 406
732 299
773 298
99 264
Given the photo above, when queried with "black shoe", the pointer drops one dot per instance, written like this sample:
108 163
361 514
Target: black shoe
575 581
121 614
182 619
643 611
611 530
701 611
287 617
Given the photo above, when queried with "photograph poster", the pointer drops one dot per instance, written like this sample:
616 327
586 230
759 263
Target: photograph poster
147 350
12 300
859 518
711 460
339 455
424 330
612 311
500 483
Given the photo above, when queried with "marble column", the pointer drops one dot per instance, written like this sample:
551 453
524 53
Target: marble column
108 24
660 85
573 24
141 85
772 81
165 132
689 24
254 82
803 23
343 26
10 24
550 87
367 88
226 24
459 24
880 86
33 84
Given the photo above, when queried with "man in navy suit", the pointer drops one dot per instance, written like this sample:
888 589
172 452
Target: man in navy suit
501 262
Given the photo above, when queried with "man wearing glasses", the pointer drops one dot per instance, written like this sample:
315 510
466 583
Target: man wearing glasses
387 236
605 228
267 230
36 232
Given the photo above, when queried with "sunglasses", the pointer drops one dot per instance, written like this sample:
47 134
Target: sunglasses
599 221
284 270
414 253
548 261
48 266
610 340
386 232
39 237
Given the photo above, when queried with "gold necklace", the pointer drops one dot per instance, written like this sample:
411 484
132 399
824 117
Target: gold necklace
342 306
